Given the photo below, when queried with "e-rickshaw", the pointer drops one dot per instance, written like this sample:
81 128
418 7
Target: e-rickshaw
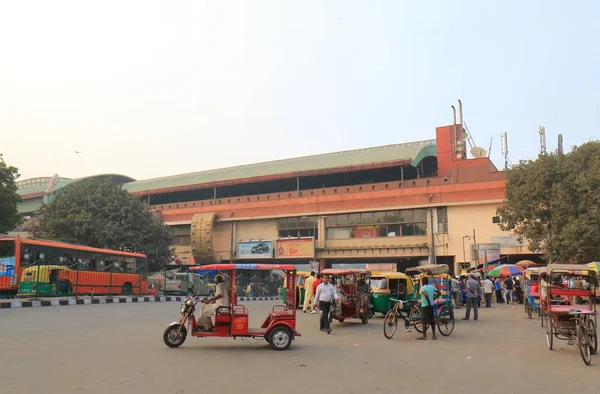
300 291
532 291
278 329
387 286
565 320
352 287
443 310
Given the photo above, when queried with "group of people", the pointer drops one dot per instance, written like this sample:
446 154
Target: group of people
507 290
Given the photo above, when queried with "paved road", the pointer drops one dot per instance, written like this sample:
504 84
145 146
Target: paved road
118 349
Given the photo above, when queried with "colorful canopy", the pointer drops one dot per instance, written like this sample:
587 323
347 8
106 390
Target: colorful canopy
506 270
595 266
526 264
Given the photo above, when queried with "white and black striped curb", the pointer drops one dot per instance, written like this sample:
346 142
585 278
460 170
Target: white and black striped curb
107 300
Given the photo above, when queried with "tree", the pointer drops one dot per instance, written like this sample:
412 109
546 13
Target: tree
99 214
554 203
9 213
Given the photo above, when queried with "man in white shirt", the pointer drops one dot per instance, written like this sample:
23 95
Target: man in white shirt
325 295
221 298
488 290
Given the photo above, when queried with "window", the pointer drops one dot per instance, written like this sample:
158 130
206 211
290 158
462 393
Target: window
496 219
297 227
442 218
401 223
181 240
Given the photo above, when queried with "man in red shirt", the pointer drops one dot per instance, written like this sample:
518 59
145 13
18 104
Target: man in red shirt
315 285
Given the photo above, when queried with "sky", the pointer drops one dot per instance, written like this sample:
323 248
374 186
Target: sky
156 88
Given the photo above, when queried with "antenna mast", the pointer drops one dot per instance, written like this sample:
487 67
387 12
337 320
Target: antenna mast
560 144
542 132
504 137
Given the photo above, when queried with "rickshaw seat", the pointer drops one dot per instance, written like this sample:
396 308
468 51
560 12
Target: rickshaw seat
534 294
534 289
568 308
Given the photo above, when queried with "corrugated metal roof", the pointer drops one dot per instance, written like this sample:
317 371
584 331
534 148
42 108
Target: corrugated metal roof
30 205
414 151
117 179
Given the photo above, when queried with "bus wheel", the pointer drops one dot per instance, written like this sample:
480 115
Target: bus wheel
127 288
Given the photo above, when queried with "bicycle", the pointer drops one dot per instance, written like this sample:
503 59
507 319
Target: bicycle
443 315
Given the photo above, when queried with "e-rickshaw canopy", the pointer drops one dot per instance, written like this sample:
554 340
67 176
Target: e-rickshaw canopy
230 267
432 269
343 271
569 268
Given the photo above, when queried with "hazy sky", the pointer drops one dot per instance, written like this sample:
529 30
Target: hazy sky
154 88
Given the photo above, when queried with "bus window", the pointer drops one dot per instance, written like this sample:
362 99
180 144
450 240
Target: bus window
142 265
130 265
117 264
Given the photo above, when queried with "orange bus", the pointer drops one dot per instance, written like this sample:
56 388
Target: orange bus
35 267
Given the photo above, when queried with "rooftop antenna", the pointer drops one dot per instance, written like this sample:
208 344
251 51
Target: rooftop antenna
542 132
505 149
490 149
560 144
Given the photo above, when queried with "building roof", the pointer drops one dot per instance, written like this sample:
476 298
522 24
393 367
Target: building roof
36 191
412 151
30 205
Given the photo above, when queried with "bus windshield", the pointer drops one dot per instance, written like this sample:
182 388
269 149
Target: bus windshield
7 257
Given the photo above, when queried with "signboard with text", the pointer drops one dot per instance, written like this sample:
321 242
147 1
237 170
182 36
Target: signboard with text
7 266
295 248
255 250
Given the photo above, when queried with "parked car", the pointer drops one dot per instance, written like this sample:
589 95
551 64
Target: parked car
261 248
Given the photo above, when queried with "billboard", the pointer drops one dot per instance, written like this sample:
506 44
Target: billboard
7 266
511 240
255 250
295 248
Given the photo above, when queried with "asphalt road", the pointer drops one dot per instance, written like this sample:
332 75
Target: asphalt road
119 349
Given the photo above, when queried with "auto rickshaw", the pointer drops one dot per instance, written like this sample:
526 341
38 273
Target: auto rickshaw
300 278
532 291
278 329
388 285
45 280
352 287
438 274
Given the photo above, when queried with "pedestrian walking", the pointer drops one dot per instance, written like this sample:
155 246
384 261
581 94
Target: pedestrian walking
518 290
456 293
473 294
428 294
309 295
324 297
498 288
488 290
508 290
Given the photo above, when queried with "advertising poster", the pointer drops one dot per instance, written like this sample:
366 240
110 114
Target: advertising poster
295 248
314 266
255 250
366 231
7 266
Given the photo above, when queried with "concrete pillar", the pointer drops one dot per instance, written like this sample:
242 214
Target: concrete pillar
322 265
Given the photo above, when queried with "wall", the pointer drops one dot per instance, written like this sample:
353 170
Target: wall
463 219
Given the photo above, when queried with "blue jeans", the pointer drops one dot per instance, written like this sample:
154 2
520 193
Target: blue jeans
472 303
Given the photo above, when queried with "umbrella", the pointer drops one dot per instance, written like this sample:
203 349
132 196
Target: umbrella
595 266
526 264
506 270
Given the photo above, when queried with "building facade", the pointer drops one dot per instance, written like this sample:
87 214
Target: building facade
382 208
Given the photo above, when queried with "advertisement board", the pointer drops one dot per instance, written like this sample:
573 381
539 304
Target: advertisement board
295 248
510 240
7 266
255 250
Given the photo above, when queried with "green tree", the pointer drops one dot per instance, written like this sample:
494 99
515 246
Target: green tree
554 203
9 214
99 214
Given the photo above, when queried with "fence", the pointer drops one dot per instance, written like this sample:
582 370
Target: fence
59 281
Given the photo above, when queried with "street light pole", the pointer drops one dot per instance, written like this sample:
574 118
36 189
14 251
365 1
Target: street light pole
464 252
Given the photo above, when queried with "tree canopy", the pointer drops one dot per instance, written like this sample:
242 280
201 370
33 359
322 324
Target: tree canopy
554 203
9 214
99 214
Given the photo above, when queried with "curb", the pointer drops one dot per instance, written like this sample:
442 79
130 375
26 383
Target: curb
106 300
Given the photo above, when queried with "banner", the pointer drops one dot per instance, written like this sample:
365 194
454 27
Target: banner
315 266
7 266
255 250
366 231
295 248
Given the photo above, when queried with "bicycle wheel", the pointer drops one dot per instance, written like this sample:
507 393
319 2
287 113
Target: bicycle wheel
590 327
390 324
445 320
415 318
584 345
549 333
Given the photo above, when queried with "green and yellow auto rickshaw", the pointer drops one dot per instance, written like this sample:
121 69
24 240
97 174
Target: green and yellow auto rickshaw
45 280
300 278
388 285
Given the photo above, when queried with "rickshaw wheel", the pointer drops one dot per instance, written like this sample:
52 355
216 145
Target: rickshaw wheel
584 345
549 333
174 336
592 335
280 338
390 324
415 319
445 320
